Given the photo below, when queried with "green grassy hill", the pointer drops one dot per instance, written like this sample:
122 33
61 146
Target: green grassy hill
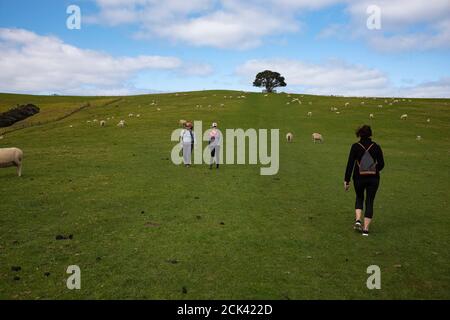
147 229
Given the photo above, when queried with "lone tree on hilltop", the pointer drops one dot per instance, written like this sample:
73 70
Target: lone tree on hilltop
270 80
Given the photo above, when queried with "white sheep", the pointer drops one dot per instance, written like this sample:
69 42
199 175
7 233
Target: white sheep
337 112
11 157
428 120
158 109
347 104
309 114
131 115
1 137
121 124
404 116
102 123
95 120
419 138
371 116
380 106
317 137
289 137
138 116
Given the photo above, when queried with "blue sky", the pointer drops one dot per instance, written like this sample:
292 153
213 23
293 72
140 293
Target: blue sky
139 46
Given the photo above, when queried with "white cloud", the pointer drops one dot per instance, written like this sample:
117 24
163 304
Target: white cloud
33 63
229 24
333 77
235 24
413 25
339 78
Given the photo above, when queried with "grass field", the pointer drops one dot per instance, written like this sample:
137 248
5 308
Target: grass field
144 228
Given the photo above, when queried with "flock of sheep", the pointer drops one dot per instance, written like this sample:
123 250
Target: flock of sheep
14 156
317 137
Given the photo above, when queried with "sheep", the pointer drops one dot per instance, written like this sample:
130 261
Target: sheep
121 124
102 123
404 116
1 137
380 106
419 138
288 103
89 121
337 112
95 120
131 115
309 114
289 137
158 109
428 120
10 157
138 116
347 104
317 137
371 116
362 102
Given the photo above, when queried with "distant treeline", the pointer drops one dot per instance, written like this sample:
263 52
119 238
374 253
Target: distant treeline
16 114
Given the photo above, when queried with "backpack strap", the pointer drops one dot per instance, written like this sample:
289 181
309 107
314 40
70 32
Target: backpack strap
365 148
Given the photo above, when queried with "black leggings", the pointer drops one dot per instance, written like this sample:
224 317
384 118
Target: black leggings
370 185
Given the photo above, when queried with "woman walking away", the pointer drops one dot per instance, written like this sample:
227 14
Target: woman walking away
187 138
214 145
365 161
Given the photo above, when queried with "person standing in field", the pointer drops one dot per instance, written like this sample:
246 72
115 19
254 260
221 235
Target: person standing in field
187 139
365 162
214 145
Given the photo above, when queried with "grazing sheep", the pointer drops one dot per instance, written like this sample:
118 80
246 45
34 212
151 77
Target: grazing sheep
371 116
380 106
102 123
138 116
121 124
309 114
362 102
419 138
317 137
89 121
288 103
428 120
158 109
1 137
95 120
289 137
11 157
347 104
404 116
337 112
131 115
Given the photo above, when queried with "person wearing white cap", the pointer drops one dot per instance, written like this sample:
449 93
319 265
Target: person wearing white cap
187 138
214 145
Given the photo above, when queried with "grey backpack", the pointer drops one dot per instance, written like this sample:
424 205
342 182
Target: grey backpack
367 165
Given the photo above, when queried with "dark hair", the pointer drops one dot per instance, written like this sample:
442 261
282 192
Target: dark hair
364 132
